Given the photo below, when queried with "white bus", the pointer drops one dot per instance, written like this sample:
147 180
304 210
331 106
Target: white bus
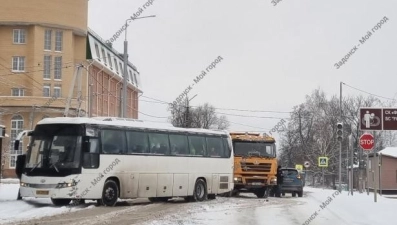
105 159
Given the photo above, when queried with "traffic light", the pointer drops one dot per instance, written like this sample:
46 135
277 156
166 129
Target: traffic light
355 156
363 164
339 131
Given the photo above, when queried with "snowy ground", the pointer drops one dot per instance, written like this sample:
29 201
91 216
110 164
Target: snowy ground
247 209
13 210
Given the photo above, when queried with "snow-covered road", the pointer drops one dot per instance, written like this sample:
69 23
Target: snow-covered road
318 206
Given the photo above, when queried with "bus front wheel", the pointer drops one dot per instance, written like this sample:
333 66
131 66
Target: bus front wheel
110 194
200 191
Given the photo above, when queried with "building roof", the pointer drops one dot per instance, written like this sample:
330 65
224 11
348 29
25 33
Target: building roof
97 47
389 151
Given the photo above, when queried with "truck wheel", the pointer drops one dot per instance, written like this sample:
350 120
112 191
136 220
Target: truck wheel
61 202
110 193
300 194
261 193
293 194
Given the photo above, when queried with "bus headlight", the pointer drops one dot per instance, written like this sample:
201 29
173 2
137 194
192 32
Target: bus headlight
65 185
273 180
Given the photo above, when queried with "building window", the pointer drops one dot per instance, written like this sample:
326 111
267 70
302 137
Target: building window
121 68
104 56
58 40
47 39
13 160
46 90
130 77
18 92
58 68
16 128
19 36
97 52
57 91
47 67
115 65
110 60
18 63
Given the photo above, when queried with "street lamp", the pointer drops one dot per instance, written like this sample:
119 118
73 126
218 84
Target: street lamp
124 96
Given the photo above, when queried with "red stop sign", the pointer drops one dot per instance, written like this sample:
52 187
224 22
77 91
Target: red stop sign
367 142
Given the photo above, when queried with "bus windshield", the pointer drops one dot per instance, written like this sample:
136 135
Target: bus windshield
260 149
54 147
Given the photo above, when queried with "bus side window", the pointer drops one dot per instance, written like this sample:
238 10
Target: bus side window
159 143
215 146
113 141
179 144
197 145
137 142
227 149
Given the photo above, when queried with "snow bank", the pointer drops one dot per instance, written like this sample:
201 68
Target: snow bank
12 210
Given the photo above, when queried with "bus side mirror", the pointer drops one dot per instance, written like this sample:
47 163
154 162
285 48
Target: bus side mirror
86 147
16 145
20 164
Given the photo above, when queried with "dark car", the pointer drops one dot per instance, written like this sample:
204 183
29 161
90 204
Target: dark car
292 182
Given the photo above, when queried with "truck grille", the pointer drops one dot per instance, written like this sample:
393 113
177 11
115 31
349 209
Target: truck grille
251 167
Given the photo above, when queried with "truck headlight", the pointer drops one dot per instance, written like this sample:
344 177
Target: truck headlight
237 179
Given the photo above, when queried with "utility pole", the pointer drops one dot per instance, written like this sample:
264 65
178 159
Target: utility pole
125 73
340 142
77 73
187 118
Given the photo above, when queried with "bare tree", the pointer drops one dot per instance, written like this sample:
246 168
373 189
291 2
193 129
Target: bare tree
203 116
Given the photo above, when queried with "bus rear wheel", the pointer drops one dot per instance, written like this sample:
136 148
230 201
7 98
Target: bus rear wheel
61 202
110 194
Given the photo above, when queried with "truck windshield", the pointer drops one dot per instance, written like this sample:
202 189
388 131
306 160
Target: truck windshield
260 149
54 147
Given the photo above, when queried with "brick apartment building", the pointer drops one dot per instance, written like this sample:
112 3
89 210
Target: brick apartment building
41 45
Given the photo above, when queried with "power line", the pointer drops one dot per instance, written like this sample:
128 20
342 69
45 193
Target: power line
368 92
230 109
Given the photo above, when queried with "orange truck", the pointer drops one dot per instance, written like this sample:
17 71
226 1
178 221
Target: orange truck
255 163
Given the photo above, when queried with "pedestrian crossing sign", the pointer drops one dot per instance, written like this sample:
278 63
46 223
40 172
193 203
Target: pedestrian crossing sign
322 161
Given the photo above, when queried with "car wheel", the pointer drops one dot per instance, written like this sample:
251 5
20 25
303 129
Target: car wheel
293 194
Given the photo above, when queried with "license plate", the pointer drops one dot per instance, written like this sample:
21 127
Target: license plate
42 192
256 183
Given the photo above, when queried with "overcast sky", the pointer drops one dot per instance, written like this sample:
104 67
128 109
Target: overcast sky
273 56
